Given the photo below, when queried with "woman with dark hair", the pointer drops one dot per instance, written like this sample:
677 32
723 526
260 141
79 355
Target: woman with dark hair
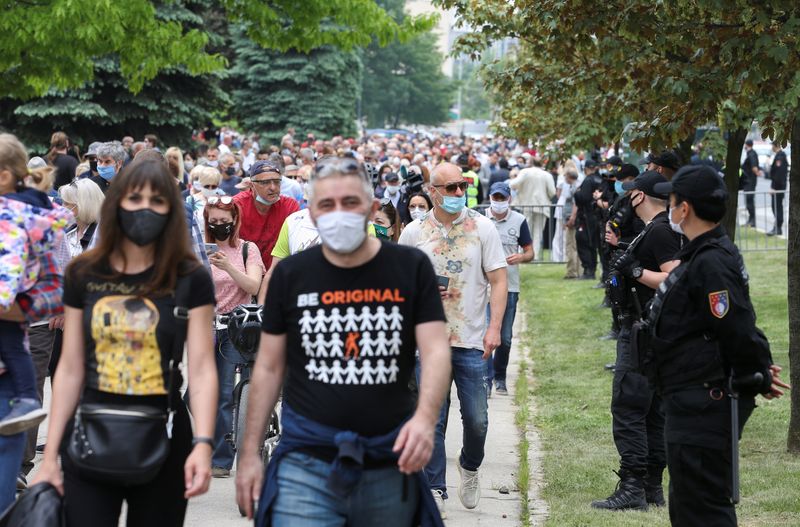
387 222
58 157
418 205
237 269
118 357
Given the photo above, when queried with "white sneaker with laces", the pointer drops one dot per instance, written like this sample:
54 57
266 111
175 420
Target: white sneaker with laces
438 497
469 489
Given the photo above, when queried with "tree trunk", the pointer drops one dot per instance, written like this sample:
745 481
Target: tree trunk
684 150
793 258
732 162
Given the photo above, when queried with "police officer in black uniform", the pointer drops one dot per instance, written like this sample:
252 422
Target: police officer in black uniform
603 198
622 227
637 416
702 331
587 237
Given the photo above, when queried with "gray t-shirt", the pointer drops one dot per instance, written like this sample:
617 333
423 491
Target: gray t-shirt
514 233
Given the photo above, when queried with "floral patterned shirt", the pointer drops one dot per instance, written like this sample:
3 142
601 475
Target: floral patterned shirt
30 274
464 254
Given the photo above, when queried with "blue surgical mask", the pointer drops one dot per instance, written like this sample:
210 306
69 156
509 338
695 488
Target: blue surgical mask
265 202
453 204
618 188
107 172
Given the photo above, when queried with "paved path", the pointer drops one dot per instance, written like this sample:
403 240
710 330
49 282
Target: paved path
218 507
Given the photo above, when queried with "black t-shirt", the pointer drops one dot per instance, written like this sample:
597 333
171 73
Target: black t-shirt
128 338
659 246
100 182
65 170
350 334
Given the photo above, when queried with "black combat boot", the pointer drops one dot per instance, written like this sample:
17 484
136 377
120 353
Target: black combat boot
653 490
628 495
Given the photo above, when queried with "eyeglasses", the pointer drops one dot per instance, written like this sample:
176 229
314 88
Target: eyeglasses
265 182
450 188
223 200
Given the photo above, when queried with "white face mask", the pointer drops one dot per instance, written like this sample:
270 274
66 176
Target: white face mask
392 190
675 226
342 232
499 207
417 212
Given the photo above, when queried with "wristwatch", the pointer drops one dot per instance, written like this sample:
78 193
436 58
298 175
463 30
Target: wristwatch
636 272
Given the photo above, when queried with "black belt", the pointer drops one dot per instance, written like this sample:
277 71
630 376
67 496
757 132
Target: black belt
328 455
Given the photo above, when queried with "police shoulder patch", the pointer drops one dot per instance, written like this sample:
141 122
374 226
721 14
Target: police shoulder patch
719 303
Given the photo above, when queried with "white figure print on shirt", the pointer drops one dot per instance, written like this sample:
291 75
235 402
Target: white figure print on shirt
351 320
326 334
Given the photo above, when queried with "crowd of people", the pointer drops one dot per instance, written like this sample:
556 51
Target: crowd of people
381 264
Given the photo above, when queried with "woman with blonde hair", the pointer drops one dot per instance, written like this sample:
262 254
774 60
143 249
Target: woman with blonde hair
174 158
205 184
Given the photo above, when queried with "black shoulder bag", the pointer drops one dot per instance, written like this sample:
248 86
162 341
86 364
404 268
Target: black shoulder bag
128 444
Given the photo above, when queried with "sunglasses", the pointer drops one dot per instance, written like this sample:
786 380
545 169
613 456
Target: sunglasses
222 200
211 187
450 188
265 182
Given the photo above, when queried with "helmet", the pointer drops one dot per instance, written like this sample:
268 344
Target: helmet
244 329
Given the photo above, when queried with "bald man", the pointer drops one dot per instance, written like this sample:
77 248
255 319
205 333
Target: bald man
464 247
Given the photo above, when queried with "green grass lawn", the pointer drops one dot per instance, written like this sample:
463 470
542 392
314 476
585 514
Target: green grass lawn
573 393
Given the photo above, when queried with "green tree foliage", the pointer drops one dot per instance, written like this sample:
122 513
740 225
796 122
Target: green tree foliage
170 105
403 79
314 92
54 44
475 98
404 83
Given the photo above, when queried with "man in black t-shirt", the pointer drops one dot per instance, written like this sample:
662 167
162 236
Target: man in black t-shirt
342 321
587 237
749 180
637 416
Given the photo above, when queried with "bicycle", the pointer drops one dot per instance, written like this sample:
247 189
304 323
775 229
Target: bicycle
244 330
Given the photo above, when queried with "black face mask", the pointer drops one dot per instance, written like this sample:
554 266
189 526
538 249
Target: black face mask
221 231
231 171
93 165
142 226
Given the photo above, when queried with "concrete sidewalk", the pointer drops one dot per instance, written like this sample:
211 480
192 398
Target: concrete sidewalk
500 498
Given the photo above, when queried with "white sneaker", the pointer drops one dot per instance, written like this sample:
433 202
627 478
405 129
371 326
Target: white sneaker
469 489
438 497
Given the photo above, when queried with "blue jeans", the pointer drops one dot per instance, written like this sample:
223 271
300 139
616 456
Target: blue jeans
469 373
11 450
17 358
497 367
227 358
304 499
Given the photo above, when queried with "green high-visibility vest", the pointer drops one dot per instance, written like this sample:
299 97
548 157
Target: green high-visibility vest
472 190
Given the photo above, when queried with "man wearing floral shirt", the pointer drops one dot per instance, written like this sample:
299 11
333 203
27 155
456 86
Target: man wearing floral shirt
464 247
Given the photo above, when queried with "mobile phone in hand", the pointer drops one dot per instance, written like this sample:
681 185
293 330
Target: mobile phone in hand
443 281
211 248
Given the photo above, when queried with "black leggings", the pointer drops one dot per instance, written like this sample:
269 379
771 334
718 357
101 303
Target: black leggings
159 503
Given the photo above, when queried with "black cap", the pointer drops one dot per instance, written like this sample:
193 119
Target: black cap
646 160
463 160
667 159
749 142
391 176
695 182
627 171
614 160
590 163
648 183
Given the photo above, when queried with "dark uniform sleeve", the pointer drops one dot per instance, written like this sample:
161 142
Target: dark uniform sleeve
524 234
274 321
720 288
665 244
427 299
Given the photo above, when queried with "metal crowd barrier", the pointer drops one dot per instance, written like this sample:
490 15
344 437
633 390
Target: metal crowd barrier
764 207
